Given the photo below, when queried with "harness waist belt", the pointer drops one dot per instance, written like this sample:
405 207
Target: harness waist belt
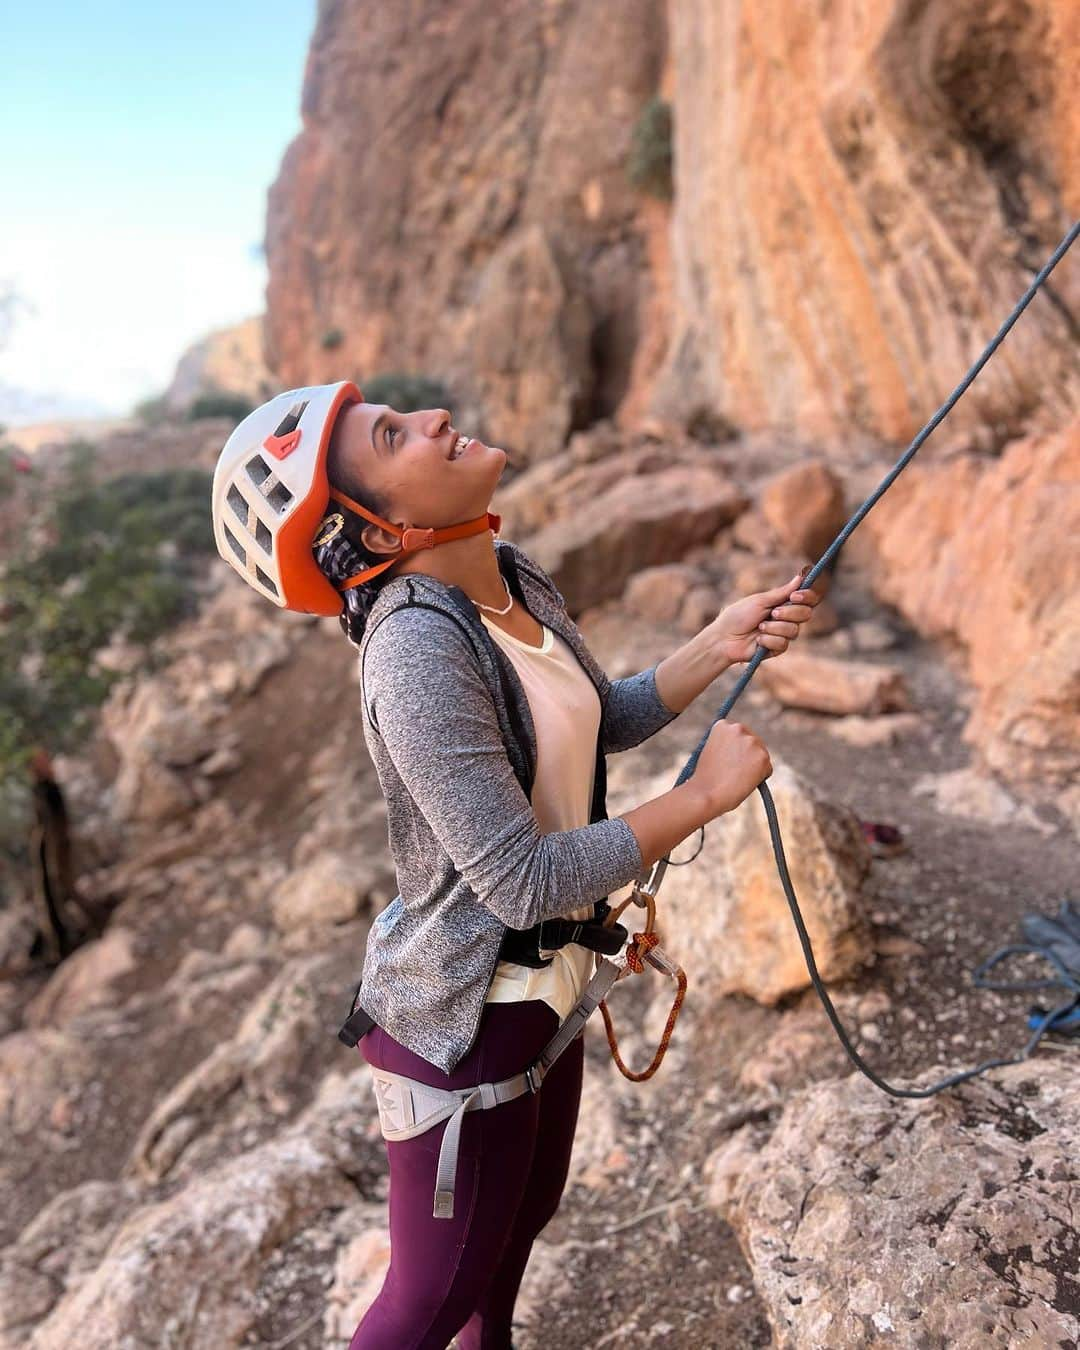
524 946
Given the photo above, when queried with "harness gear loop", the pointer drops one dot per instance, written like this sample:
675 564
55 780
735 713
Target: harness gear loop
644 948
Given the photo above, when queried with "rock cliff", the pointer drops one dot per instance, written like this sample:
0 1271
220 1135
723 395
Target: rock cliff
860 196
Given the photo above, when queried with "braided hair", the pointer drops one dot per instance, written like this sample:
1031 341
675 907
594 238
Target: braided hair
340 553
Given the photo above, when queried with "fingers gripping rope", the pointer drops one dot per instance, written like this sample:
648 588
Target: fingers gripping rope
651 885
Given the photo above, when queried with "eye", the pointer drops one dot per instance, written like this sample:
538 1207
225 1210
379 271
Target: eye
394 431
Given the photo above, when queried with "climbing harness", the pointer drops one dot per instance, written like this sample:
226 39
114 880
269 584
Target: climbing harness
646 891
408 1107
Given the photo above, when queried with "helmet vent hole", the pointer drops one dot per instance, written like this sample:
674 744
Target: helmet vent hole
237 546
238 502
258 470
262 537
279 497
261 575
291 419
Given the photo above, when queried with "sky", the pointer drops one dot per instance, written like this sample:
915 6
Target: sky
138 142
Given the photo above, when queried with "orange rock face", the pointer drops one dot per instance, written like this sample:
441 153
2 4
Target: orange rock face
457 205
863 192
986 551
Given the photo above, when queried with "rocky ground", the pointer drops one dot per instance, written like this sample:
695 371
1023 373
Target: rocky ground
658 1264
190 1157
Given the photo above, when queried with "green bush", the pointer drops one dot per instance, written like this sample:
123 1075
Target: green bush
333 337
649 167
405 393
218 403
113 559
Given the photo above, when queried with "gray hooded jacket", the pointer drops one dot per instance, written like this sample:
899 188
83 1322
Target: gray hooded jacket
448 727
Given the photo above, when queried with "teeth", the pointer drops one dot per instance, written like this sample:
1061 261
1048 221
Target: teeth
459 446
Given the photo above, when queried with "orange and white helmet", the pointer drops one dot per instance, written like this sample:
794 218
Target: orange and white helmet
270 495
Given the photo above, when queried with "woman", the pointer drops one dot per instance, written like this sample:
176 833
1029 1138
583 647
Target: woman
488 720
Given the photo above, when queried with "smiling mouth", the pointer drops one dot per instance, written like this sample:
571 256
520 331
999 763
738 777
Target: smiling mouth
459 447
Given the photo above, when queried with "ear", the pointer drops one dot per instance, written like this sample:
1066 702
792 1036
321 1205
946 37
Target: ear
377 540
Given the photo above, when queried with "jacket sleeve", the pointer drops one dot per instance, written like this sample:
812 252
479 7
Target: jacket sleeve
437 721
633 711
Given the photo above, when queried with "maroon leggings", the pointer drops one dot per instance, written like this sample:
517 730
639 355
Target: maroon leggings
461 1275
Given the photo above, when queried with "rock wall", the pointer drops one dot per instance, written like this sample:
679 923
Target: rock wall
863 192
456 204
977 550
860 197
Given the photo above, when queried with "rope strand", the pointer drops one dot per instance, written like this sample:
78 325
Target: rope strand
657 872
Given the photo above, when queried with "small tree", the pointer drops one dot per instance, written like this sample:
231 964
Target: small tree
219 403
406 393
650 167
116 559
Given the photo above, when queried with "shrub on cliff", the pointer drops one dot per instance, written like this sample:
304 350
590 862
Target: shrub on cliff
649 167
405 393
219 403
152 410
115 559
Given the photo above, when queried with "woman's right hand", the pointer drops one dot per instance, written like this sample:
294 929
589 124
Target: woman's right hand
733 761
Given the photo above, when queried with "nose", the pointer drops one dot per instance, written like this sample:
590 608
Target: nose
438 419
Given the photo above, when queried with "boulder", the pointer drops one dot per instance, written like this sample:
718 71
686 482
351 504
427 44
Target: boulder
700 606
976 796
85 979
948 1221
324 891
732 901
870 731
639 521
801 679
804 506
359 1272
657 593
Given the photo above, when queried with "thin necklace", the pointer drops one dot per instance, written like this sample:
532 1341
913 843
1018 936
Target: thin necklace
505 609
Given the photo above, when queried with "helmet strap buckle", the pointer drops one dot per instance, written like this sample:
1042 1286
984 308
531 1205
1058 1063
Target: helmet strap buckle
413 538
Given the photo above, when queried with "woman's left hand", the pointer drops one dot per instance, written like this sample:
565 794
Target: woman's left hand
769 619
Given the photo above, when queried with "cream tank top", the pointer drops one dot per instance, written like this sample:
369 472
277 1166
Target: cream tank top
565 709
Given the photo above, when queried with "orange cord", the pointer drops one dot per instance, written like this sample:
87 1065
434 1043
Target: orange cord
637 955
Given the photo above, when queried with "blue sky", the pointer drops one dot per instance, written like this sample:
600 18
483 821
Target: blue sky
138 142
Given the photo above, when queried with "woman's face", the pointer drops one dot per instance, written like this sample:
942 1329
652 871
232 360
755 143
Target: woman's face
412 461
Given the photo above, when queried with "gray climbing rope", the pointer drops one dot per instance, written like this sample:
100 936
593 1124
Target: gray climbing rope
656 873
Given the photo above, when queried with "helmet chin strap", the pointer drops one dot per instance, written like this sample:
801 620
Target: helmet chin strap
412 540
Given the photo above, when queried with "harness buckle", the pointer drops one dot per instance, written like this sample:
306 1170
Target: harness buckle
534 1076
417 538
